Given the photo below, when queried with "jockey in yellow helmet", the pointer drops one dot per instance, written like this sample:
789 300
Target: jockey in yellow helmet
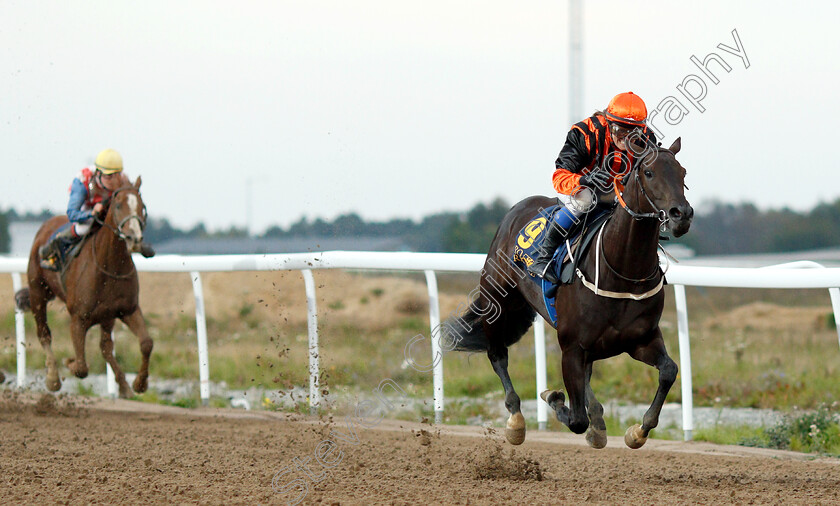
88 190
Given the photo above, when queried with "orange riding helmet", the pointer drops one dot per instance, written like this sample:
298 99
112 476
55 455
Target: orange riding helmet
627 108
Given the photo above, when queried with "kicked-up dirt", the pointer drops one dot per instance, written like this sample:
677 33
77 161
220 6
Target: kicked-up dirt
65 450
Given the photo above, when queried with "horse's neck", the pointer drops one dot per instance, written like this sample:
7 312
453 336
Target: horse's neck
111 252
630 245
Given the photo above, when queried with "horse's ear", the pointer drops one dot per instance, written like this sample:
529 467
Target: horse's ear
675 147
137 183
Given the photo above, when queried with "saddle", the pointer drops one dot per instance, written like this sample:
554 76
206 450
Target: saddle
66 254
566 257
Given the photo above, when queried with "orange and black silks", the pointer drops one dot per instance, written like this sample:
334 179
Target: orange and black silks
588 144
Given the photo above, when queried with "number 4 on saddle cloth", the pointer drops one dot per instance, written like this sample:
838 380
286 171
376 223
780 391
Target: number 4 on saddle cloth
563 262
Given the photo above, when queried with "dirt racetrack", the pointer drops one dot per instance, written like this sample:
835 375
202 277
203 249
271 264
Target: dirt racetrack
80 451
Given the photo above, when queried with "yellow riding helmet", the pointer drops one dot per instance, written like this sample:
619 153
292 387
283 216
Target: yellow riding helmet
108 161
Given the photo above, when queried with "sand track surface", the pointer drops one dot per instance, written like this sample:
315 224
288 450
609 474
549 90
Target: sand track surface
67 450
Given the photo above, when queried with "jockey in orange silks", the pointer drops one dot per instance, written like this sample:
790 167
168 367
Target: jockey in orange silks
599 151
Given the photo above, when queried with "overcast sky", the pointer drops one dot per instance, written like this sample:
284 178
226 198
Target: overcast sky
399 108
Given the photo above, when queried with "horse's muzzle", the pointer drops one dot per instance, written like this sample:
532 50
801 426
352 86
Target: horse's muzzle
679 219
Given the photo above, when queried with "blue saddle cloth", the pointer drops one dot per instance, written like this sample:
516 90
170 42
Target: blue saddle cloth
527 248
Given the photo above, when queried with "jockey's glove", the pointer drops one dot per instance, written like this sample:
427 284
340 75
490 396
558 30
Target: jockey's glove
598 178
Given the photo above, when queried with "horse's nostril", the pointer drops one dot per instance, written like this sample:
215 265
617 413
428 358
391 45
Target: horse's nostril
675 213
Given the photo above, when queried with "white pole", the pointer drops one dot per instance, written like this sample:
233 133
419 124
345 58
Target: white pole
110 378
685 362
314 354
201 335
437 354
834 293
20 335
542 382
575 61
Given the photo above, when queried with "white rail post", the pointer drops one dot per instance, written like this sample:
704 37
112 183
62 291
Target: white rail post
110 378
20 335
437 354
685 362
542 382
201 335
834 293
314 354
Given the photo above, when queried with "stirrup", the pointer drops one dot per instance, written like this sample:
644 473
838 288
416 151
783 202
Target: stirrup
545 272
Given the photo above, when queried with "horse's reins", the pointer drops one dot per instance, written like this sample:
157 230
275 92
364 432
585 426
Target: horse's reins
119 233
659 215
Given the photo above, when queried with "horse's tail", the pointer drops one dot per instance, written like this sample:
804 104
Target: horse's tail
22 300
466 332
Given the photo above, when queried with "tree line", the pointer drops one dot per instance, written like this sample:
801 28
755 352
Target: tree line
722 228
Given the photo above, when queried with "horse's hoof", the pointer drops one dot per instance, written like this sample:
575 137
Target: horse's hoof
125 392
515 429
53 384
140 384
633 438
596 438
2 377
553 396
72 365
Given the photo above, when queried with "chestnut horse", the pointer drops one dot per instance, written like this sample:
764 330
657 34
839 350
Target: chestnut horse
622 266
99 286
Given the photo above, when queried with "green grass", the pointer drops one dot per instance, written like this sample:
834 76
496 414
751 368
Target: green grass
810 431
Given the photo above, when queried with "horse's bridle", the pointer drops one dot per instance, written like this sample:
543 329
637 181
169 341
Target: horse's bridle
119 233
660 214
118 229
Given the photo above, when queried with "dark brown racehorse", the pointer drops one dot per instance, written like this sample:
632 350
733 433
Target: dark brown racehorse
99 286
590 326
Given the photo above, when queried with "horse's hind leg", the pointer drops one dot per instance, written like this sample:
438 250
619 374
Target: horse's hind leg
106 345
596 435
515 427
137 325
78 333
39 297
654 354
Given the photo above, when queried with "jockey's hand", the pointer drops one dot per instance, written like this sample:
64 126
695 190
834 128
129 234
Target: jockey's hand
598 178
97 209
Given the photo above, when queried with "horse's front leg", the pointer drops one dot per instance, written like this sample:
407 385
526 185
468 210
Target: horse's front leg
39 296
574 416
574 377
106 345
655 355
137 325
78 333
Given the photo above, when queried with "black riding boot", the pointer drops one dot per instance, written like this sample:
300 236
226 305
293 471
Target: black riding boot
554 236
50 252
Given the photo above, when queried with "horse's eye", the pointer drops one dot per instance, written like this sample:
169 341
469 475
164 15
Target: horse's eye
648 173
